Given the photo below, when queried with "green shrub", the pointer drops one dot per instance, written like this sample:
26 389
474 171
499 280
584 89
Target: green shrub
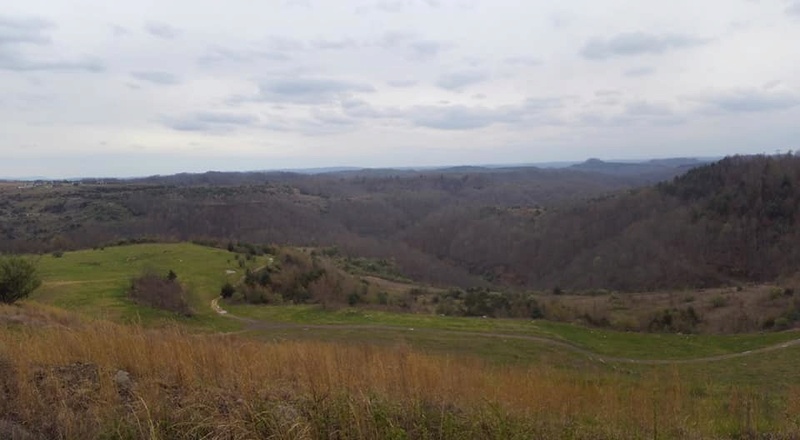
18 278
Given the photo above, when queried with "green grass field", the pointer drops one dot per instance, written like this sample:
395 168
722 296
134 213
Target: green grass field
94 282
603 342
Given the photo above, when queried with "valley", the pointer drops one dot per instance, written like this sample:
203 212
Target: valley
142 336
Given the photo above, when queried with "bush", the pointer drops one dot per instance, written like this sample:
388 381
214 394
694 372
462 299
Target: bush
719 301
160 292
227 290
781 323
18 278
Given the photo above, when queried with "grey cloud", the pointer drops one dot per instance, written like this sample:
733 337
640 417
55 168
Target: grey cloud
15 62
285 44
402 83
396 6
459 80
391 5
210 122
461 117
636 43
308 90
332 118
412 45
119 31
319 122
646 108
18 32
639 71
156 77
393 39
458 117
751 100
218 55
427 48
794 9
522 61
604 93
24 30
162 30
298 3
334 44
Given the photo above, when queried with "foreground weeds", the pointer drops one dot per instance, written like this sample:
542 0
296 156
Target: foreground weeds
102 380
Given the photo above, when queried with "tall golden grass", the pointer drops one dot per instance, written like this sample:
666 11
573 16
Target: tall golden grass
59 382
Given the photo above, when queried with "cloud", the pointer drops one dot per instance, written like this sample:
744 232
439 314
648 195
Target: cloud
297 3
794 9
647 108
606 93
16 33
119 31
24 30
412 45
639 71
18 63
391 5
345 43
427 48
396 6
285 44
457 117
308 90
220 55
156 77
522 61
459 80
636 43
211 122
751 100
162 30
402 83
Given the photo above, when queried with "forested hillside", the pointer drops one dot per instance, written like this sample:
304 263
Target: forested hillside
367 213
587 227
728 222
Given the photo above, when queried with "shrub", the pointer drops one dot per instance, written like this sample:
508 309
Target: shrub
719 301
160 292
353 299
227 290
18 278
781 323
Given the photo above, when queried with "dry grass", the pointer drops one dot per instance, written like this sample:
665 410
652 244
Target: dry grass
59 382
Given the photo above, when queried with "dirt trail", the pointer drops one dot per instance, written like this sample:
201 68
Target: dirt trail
255 324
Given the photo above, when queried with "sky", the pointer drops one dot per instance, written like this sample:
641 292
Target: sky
124 88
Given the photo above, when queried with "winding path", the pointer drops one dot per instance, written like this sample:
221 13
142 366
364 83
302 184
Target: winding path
255 324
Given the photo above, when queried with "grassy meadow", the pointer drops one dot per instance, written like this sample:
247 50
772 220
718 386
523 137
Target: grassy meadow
312 372
95 282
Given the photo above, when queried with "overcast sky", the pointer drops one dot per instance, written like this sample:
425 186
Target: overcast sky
124 88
